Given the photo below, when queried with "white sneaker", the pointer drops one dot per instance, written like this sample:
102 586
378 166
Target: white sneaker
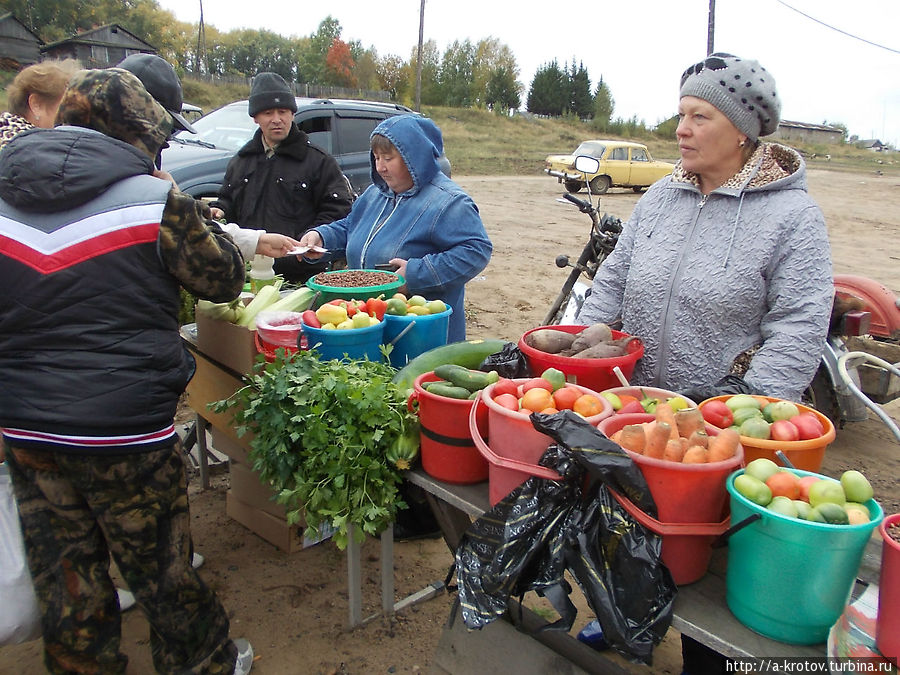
126 599
244 661
197 561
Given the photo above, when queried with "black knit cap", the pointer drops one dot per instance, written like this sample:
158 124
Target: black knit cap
159 79
269 90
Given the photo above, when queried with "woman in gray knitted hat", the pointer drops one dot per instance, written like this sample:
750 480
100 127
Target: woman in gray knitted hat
724 267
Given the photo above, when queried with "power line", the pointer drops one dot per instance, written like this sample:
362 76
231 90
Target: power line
855 37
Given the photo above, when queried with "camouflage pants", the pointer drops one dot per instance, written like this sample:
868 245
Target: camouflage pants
76 510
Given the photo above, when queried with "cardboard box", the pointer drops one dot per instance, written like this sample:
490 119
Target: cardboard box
238 450
231 345
275 530
213 383
246 486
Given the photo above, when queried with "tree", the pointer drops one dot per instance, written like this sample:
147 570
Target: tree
391 76
549 93
455 75
581 101
431 93
502 91
603 105
339 65
311 60
490 57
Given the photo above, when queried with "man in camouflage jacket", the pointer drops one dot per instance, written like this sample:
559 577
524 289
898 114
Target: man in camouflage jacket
93 252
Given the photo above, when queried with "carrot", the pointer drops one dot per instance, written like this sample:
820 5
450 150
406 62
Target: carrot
695 455
688 421
616 436
700 438
632 438
723 445
674 451
665 413
659 435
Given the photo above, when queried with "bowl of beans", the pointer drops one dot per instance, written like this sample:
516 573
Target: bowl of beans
354 284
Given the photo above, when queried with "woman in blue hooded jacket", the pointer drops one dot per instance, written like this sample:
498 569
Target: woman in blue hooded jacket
412 217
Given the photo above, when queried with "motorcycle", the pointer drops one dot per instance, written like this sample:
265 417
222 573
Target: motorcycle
865 318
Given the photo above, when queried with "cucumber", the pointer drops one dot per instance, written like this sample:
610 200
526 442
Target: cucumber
469 354
448 390
473 380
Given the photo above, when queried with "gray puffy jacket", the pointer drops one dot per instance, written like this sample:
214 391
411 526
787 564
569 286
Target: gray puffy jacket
701 280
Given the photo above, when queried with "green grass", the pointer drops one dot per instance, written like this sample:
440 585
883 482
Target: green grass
481 143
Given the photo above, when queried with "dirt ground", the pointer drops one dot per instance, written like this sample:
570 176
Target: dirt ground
293 607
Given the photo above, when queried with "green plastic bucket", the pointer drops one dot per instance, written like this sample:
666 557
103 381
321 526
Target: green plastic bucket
352 343
334 292
427 332
789 579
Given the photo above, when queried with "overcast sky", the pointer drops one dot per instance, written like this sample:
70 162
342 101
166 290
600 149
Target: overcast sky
847 71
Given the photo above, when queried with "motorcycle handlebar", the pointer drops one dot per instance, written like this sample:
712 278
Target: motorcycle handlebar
582 205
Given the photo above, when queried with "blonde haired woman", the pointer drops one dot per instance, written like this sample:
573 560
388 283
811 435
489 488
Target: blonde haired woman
33 97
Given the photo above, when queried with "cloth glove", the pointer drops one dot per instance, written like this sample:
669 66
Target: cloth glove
727 386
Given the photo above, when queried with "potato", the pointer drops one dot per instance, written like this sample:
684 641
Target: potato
550 340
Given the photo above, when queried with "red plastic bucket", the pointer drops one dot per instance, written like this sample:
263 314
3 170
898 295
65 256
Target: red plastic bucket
514 438
691 502
806 455
446 446
596 374
887 636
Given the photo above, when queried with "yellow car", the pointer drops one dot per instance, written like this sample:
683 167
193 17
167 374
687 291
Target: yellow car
622 164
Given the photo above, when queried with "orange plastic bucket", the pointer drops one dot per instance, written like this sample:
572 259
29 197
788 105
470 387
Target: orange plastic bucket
446 447
806 455
514 438
597 374
691 502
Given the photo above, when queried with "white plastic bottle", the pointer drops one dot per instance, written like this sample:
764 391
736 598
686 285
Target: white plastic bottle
261 272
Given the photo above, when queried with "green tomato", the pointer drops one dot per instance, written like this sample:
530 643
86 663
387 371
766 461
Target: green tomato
555 377
742 401
753 489
755 427
780 410
761 468
783 505
856 487
741 415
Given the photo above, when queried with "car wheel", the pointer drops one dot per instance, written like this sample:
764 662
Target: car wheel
600 184
574 186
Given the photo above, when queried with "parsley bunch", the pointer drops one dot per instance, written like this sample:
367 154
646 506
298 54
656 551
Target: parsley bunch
321 430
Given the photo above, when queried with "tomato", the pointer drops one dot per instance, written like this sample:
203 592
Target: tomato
808 425
633 406
537 382
784 484
626 399
536 399
508 401
588 405
756 427
549 411
784 430
805 483
717 413
505 386
555 377
565 397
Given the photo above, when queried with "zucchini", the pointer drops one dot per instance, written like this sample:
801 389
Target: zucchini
448 390
468 353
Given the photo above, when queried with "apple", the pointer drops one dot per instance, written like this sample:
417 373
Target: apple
808 425
762 468
784 430
717 413
825 491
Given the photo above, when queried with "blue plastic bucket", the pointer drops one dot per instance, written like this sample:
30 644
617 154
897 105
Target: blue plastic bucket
789 579
429 331
352 343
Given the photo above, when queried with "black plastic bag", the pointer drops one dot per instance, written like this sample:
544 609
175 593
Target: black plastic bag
545 527
509 362
727 386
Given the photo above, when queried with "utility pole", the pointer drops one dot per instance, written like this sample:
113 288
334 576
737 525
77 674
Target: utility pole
711 28
419 55
200 56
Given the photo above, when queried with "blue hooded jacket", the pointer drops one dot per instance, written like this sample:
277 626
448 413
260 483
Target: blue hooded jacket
434 225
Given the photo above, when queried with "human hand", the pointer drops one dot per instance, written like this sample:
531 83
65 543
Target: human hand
216 213
399 266
312 239
275 245
165 175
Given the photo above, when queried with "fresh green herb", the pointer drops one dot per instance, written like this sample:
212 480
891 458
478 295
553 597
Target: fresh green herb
321 432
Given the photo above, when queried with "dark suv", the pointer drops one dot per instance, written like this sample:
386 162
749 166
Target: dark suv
341 127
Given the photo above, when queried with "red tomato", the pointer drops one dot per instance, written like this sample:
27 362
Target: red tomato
537 382
784 484
808 426
805 482
627 398
564 397
784 430
508 401
717 413
633 406
505 386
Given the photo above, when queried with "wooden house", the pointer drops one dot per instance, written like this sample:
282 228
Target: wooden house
807 133
101 47
19 46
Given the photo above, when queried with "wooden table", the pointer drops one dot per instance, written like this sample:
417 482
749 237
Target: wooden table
700 609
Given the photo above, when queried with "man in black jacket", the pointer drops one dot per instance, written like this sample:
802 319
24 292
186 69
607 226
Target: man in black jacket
279 181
